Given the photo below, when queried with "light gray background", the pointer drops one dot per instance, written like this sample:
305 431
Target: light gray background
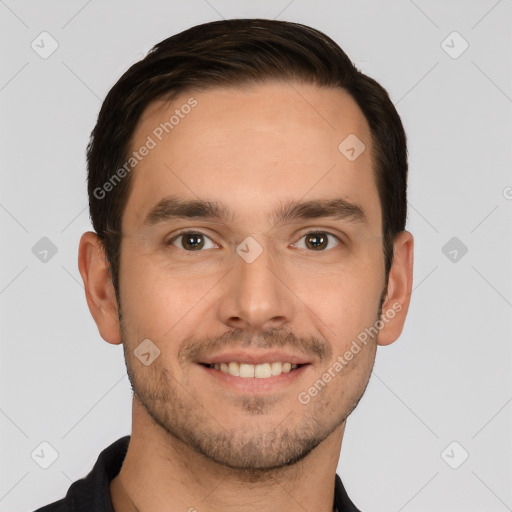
448 378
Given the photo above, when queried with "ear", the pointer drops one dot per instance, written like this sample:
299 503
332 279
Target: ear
99 290
396 304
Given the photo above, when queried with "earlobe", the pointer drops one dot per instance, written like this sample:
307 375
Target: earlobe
396 305
99 290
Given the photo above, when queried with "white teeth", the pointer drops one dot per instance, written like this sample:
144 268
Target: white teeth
276 369
234 369
262 371
246 370
258 371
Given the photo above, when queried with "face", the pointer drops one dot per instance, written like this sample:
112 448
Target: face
262 284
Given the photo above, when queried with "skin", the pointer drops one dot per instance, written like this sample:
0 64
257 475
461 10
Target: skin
196 443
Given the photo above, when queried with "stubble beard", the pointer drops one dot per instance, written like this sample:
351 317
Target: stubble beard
256 454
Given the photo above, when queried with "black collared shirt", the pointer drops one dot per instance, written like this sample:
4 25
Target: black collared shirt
92 493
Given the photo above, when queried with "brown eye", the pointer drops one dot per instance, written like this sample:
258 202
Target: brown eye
317 241
191 241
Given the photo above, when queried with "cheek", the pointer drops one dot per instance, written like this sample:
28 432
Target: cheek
346 298
160 304
146 301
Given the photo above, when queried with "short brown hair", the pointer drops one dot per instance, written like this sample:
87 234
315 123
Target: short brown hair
238 52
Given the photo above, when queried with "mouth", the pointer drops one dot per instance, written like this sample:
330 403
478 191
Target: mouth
254 371
261 372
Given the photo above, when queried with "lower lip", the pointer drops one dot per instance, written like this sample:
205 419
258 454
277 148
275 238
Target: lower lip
254 384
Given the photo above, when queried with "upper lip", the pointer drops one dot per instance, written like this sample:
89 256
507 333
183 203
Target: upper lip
256 358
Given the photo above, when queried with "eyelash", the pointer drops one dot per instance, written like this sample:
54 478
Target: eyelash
170 241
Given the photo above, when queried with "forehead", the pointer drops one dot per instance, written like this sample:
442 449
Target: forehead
256 146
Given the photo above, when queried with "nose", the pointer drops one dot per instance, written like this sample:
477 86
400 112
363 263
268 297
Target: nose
256 294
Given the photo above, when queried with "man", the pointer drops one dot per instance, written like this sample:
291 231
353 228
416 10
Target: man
247 187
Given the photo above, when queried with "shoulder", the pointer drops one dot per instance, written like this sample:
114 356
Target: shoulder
62 505
93 491
341 500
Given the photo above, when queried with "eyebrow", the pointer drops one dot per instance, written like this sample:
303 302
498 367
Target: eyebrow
172 207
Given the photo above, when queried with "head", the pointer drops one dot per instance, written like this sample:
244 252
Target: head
247 186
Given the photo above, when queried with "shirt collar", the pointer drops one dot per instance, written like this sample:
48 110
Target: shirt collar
93 491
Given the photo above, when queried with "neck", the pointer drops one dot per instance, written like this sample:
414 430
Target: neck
160 472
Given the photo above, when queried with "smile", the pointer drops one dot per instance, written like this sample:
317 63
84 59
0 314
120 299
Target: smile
257 371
